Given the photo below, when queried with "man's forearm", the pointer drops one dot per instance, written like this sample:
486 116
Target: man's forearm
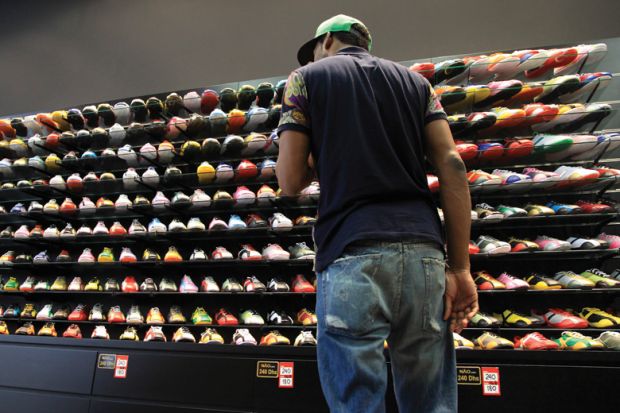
456 206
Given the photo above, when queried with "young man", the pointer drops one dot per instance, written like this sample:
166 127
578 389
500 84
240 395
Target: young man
367 125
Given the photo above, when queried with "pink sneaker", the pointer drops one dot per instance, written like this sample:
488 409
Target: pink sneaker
513 283
275 252
552 244
187 285
542 179
614 240
221 253
243 196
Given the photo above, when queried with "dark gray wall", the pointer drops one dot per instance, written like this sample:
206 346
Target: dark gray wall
56 54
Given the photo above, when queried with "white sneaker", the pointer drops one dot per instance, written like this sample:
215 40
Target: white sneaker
84 230
86 257
87 207
136 228
490 245
134 316
101 229
242 336
35 207
209 285
310 194
123 202
279 222
198 255
157 227
195 224
58 182
221 253
127 154
224 173
217 225
150 177
67 232
130 179
199 199
127 255
117 132
160 201
147 151
275 252
45 313
583 243
101 333
51 232
176 226
76 284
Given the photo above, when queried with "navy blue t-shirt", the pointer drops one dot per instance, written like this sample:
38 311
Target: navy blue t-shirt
365 117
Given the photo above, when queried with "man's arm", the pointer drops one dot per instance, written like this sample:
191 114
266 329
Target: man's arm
461 295
294 169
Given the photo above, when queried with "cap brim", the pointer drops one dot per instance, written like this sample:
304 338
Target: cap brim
305 54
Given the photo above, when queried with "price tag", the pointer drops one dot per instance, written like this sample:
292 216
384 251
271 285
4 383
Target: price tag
286 375
120 370
490 381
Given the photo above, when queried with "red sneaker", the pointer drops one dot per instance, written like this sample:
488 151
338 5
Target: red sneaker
246 170
594 208
535 341
518 148
473 248
433 183
117 230
130 285
73 331
248 253
68 207
115 315
78 313
301 285
224 318
558 318
467 151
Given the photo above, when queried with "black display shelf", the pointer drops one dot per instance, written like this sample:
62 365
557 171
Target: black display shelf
164 265
507 332
564 221
550 293
546 255
159 294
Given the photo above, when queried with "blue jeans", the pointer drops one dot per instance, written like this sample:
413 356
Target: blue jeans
390 291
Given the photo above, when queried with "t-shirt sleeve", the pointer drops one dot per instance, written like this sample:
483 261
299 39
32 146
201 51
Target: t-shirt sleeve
295 109
434 110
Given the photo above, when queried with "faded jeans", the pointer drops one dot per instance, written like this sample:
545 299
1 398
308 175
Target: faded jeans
390 291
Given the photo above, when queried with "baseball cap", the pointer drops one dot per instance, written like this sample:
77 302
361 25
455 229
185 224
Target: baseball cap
339 23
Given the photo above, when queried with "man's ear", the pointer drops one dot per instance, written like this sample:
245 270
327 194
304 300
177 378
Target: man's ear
328 42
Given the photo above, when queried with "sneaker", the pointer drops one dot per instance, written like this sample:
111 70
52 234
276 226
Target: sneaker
611 340
223 199
155 333
600 278
577 243
305 338
22 232
27 285
558 318
613 240
538 210
512 318
187 285
231 285
175 315
242 336
154 316
522 245
200 317
482 320
78 314
180 200
157 227
487 212
7 258
490 245
106 255
206 173
12 311
279 318
41 258
211 336
104 204
84 231
571 340
563 209
300 251
96 313
68 207
36 232
225 318
198 255
130 334
111 285
51 207
279 222
101 229
304 220
172 255
136 228
512 283
278 286
310 194
248 253
195 224
541 282
127 256
117 230
491 341
87 207
176 226
569 279
199 199
221 253
535 341
93 285
59 284
224 173
141 203
183 335
129 285
29 311
598 318
265 195
552 244
306 317
22 259
302 285
167 286
115 315
73 331
150 177
484 281
253 284
209 285
134 316
243 196
267 169
86 257
7 233
255 221
27 329
76 284
274 338
150 255
246 170
148 285
235 222
461 343
42 285
160 201
594 208
123 203
217 224
275 252
68 232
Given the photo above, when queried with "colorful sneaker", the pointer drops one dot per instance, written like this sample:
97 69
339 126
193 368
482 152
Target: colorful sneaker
243 196
491 341
511 212
183 335
564 209
542 282
461 343
172 255
306 317
106 255
127 256
134 316
300 251
225 318
154 316
577 243
490 245
115 315
571 340
59 284
211 336
86 257
600 278
155 333
484 281
27 285
535 341
552 244
78 314
487 212
231 285
522 245
187 285
200 317
511 318
265 195
242 336
279 222
512 283
167 286
76 284
538 210
221 253
27 329
569 279
558 318
279 318
253 284
274 338
150 255
157 227
248 253
129 285
613 240
93 285
73 331
217 224
235 222
208 285
255 221
130 334
302 285
483 320
175 315
305 338
598 318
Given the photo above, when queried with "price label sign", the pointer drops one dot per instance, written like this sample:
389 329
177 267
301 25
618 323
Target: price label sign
490 381
286 375
120 370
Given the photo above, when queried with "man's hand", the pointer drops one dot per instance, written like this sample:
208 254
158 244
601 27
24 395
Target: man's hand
461 299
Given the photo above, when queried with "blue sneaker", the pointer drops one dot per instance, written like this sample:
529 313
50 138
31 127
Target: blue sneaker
18 209
267 169
157 227
89 155
564 209
235 222
41 258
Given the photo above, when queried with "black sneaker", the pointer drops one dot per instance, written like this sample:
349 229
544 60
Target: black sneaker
276 285
173 175
148 285
111 285
279 318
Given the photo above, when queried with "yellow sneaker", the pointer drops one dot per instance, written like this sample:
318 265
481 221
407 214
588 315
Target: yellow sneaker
461 343
48 330
274 338
60 284
206 173
490 341
93 285
598 318
106 255
211 336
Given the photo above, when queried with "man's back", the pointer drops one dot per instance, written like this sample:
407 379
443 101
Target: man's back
367 117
